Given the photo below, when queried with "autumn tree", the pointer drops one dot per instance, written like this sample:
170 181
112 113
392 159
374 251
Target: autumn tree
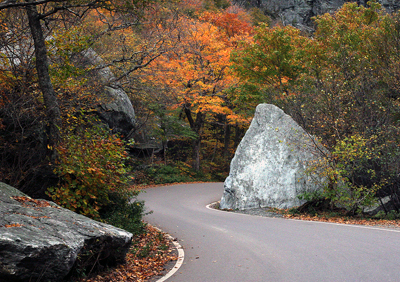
196 73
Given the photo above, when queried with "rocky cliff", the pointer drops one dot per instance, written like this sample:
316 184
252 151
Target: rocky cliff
300 12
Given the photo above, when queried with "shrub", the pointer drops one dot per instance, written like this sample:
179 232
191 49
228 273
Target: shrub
90 165
124 211
169 174
352 179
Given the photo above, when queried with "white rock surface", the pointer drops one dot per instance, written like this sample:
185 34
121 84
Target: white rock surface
269 164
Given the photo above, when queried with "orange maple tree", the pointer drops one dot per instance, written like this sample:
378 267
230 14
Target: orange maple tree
196 74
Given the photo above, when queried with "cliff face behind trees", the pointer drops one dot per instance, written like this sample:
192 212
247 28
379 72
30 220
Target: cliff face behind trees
299 12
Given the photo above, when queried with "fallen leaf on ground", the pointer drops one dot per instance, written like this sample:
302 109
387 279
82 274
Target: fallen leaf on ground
147 257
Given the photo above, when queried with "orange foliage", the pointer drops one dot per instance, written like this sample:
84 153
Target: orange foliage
29 202
197 72
232 24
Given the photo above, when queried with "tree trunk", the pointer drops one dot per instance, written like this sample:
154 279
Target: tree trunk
42 67
196 126
196 153
164 147
238 134
227 138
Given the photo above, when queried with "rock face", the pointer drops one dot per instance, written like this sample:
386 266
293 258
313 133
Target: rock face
268 167
117 111
299 12
40 241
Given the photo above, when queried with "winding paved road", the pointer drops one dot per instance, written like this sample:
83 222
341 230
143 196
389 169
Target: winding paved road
228 247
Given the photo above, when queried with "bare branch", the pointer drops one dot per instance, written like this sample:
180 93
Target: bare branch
139 66
68 8
13 4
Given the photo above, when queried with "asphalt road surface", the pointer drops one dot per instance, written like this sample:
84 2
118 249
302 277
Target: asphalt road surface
227 247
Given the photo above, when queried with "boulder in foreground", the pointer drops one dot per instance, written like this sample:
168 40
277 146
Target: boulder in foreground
40 241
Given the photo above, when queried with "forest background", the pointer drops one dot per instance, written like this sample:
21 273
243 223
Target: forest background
194 72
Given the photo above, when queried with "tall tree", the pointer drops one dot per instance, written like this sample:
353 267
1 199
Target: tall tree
42 68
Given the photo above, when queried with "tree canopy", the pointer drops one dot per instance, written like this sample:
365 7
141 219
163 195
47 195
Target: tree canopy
194 71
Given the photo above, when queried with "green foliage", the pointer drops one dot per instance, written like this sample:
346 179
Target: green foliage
345 171
170 174
311 196
64 46
168 125
392 215
90 165
245 98
258 17
272 59
125 211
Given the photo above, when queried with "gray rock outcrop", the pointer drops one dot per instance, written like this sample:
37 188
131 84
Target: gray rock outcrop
268 169
300 12
117 110
40 241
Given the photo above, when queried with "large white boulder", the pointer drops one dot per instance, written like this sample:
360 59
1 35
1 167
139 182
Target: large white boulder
268 169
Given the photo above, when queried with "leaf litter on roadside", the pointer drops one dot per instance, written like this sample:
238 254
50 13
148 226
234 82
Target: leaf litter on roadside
325 217
147 257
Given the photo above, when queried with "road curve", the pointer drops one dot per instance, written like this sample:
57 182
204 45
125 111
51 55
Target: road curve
228 247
